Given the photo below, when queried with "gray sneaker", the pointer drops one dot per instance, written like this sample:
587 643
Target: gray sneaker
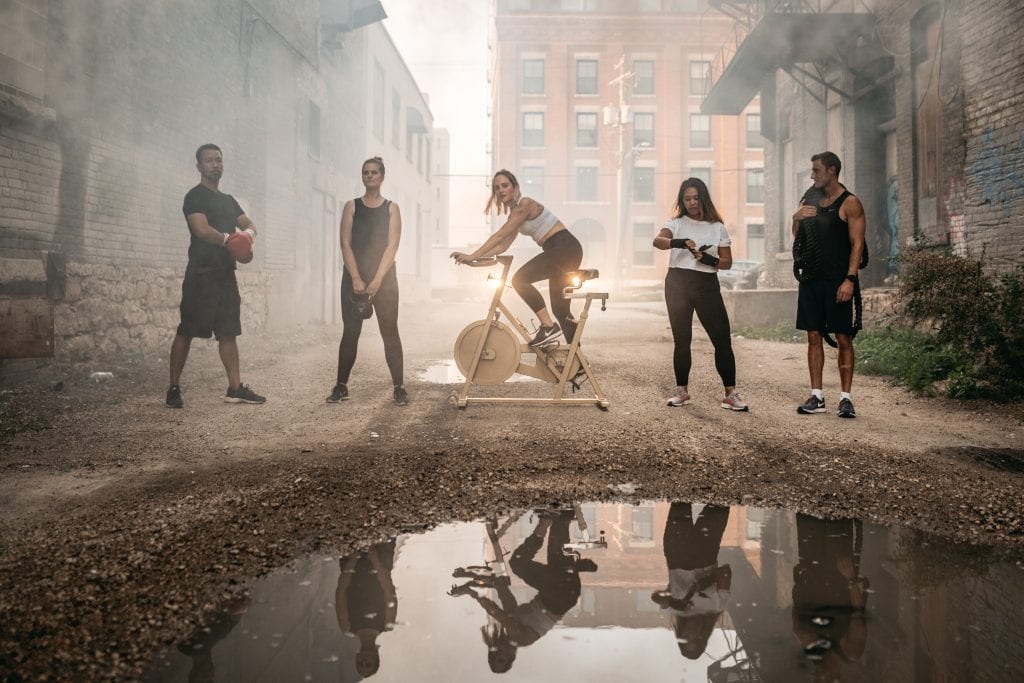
734 402
812 405
846 408
681 398
243 394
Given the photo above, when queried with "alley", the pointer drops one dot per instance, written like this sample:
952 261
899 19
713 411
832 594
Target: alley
124 521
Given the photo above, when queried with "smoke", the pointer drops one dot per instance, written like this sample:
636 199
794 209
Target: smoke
445 47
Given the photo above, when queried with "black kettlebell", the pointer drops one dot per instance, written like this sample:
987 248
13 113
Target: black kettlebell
363 307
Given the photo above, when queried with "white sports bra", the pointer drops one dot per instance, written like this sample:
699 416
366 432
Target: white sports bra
539 227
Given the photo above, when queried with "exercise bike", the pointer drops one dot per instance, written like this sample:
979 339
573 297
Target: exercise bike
489 351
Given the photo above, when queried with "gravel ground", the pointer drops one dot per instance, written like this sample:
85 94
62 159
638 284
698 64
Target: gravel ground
123 524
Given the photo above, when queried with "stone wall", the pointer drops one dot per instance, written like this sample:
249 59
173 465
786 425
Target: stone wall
111 311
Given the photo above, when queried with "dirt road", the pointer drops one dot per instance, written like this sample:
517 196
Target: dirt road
122 522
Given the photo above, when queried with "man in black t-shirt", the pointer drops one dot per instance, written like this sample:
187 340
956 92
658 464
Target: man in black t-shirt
825 301
210 303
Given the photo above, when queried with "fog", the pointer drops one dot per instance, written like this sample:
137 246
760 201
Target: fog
445 47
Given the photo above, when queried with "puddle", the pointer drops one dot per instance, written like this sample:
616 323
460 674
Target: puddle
678 592
447 372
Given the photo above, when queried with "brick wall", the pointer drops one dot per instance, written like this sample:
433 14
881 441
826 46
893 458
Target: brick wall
992 95
98 168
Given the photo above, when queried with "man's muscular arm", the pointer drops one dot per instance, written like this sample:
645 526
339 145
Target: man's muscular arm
202 229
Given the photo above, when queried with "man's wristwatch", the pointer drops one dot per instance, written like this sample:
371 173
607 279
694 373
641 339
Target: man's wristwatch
852 278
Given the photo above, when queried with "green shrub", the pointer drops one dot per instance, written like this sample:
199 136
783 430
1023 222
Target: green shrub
911 357
975 316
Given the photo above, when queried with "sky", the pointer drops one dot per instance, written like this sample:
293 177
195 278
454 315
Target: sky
445 46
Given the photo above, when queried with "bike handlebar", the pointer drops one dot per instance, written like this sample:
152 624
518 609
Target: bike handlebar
484 261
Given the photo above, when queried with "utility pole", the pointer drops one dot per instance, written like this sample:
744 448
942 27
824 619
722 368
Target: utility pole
620 116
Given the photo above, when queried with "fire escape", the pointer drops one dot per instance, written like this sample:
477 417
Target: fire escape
801 37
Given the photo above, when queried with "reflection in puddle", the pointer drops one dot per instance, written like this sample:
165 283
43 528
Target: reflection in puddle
446 372
671 592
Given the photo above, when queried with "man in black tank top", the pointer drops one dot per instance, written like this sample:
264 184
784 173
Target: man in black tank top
825 303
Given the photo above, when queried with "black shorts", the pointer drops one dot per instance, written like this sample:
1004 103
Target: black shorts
818 311
210 304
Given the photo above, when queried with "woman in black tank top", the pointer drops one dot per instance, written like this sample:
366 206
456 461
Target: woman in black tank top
371 227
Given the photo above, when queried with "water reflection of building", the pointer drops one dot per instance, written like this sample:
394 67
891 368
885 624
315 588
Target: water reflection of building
931 611
632 565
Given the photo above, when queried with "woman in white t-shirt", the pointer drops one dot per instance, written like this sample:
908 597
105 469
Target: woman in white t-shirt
700 247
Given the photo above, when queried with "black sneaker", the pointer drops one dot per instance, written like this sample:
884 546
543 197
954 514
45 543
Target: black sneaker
812 405
846 408
173 398
545 335
570 331
401 396
338 393
243 394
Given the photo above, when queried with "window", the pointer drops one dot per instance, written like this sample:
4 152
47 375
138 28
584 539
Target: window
533 129
700 130
419 154
755 242
643 77
755 185
313 144
410 138
643 249
586 76
531 181
925 36
643 128
579 5
519 4
643 184
649 5
586 183
586 129
699 73
754 139
396 119
702 172
533 76
23 46
430 156
378 100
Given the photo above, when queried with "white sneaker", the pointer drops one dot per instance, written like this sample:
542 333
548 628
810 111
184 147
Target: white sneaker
681 398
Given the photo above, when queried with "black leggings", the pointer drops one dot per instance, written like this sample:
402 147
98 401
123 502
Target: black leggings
385 308
562 256
687 291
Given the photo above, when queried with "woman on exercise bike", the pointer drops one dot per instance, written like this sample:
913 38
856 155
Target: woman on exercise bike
561 254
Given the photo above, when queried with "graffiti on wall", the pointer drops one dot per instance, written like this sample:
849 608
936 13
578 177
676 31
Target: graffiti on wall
892 214
954 203
999 171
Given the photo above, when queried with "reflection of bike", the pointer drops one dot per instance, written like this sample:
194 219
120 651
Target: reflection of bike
513 624
489 352
485 575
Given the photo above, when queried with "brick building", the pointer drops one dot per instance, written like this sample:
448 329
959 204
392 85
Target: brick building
920 100
102 104
596 108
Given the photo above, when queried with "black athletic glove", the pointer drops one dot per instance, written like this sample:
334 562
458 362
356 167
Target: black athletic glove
679 243
706 258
